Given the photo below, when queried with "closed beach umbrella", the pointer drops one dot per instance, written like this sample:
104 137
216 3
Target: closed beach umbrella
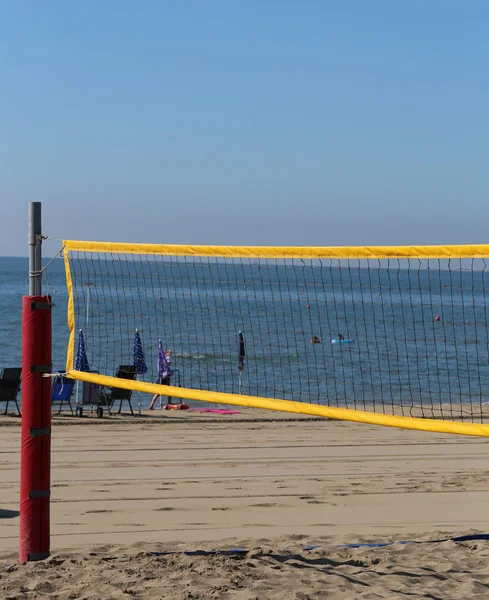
241 356
81 361
241 351
163 366
139 362
81 364
164 369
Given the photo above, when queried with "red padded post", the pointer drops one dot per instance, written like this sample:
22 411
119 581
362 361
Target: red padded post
35 461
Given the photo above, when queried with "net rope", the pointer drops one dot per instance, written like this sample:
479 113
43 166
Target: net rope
415 329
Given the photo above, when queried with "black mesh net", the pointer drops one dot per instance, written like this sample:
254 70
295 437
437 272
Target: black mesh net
397 336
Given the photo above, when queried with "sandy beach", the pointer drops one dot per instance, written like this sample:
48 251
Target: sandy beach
265 483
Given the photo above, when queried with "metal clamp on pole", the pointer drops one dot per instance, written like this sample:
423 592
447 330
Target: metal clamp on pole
41 368
41 306
39 493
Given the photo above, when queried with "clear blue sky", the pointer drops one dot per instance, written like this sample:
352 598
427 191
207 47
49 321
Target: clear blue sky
245 122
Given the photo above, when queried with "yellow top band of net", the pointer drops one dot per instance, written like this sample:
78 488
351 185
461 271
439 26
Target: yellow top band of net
469 251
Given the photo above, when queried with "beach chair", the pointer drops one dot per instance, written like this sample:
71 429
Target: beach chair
112 394
62 391
9 387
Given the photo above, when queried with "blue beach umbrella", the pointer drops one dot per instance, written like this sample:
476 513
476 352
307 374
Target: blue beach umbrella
81 361
139 361
241 356
163 366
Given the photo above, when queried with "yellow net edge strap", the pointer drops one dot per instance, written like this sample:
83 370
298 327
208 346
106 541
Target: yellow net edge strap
344 414
308 252
70 314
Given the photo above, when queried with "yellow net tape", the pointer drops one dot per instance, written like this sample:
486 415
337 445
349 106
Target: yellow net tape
309 252
342 414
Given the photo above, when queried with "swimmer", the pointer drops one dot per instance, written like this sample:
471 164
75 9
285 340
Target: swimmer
314 340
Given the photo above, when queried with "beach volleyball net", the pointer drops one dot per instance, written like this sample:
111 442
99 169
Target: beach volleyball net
384 335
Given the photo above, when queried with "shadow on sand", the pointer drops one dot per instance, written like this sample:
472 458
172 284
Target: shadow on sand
8 514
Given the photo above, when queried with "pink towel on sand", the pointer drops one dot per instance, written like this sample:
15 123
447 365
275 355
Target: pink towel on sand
219 411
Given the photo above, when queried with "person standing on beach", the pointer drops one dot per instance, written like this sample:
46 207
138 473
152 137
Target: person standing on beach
164 380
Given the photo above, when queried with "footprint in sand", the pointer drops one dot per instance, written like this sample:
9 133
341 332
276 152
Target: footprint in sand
98 511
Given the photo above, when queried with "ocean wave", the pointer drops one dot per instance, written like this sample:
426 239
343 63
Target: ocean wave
196 356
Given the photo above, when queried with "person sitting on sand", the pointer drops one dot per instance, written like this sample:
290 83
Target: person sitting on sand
314 340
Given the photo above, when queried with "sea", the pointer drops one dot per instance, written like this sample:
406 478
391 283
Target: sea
415 335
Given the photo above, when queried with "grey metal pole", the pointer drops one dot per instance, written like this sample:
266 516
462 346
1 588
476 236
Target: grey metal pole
35 255
87 314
